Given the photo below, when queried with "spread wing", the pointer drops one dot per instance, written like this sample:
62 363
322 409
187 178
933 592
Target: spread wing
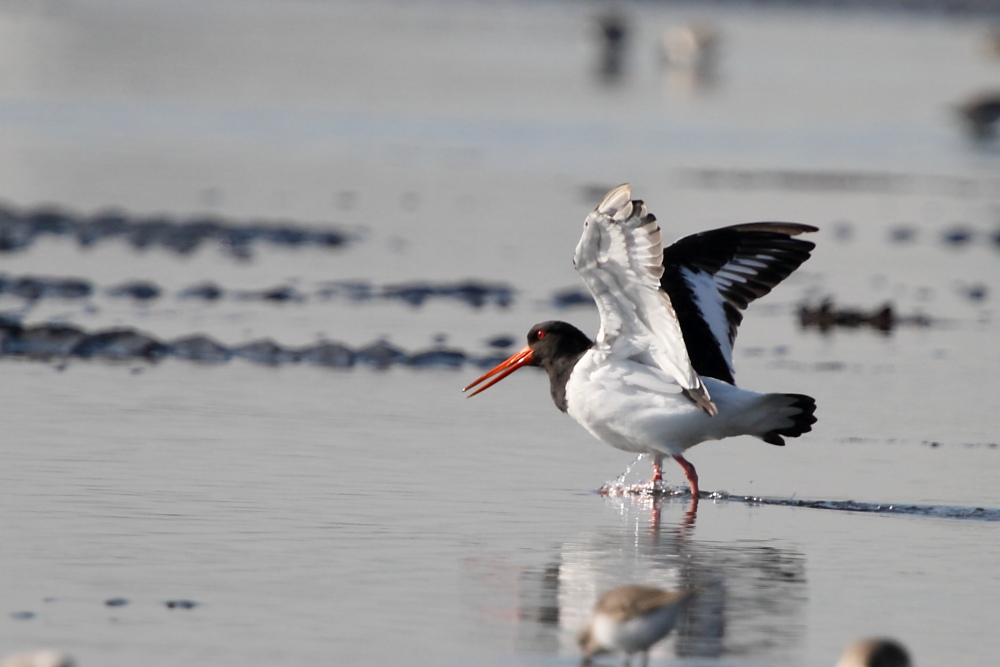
713 276
620 259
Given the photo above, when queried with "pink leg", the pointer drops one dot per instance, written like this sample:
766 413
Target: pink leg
657 471
690 473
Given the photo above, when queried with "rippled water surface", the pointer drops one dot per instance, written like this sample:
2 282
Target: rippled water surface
369 517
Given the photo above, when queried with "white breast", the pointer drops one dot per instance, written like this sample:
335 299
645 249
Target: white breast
635 634
639 408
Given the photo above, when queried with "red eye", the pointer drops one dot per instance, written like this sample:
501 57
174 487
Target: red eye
541 334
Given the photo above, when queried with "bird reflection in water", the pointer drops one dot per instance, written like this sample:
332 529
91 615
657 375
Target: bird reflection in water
750 600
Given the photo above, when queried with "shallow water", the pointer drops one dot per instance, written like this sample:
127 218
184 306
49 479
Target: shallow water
379 517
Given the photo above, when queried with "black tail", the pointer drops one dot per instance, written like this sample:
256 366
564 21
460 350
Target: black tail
800 411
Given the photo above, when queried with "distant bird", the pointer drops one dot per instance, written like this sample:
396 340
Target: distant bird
693 47
40 658
875 652
659 378
612 32
630 619
980 115
990 42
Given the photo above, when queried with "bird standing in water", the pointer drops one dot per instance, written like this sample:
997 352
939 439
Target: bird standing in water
659 377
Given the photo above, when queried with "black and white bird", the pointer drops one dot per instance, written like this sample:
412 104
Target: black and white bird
659 378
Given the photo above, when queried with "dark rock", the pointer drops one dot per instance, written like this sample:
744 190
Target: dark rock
381 354
473 293
32 287
572 298
180 604
957 236
902 234
478 295
977 292
441 358
280 294
826 316
330 239
145 233
22 615
26 288
199 348
182 239
354 290
116 602
334 355
206 291
10 323
265 352
413 294
101 227
16 233
120 344
44 341
137 289
50 221
71 288
287 236
501 342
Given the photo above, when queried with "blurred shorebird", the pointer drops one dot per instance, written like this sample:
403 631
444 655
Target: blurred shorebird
692 46
630 619
981 116
875 652
39 658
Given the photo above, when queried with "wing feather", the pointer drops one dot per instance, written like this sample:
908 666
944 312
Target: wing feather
679 308
621 260
712 276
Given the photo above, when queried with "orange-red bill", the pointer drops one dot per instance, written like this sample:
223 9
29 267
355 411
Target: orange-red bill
522 357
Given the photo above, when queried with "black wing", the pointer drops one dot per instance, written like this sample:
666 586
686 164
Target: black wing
712 276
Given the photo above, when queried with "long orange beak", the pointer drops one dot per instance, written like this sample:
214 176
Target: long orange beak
522 357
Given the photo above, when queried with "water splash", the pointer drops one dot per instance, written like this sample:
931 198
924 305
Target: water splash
959 512
620 487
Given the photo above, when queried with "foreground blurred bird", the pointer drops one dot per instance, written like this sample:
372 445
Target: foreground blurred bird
630 619
39 658
875 652
659 378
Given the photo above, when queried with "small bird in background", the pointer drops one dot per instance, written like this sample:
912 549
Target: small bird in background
39 658
980 115
875 652
630 619
691 46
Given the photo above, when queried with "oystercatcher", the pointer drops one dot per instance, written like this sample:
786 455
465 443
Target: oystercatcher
630 619
659 378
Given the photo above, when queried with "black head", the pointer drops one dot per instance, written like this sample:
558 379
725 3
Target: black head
553 345
554 341
557 346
